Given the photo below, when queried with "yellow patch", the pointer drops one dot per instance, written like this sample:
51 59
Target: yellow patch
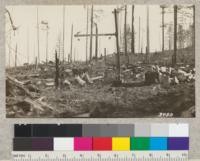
121 143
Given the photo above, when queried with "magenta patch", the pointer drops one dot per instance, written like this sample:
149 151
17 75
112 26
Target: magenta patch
82 143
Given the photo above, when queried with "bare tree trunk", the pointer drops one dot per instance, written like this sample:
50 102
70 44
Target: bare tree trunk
59 45
117 45
148 43
91 33
139 37
163 29
87 37
175 36
96 46
71 48
63 33
27 45
36 63
125 34
47 37
193 38
133 34
16 55
57 70
38 37
74 54
9 54
105 55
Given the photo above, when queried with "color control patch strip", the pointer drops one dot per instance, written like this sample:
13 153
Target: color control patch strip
101 137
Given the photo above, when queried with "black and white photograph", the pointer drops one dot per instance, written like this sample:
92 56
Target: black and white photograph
100 61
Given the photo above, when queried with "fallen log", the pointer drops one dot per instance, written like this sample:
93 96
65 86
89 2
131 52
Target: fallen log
11 101
80 81
26 82
97 78
66 82
15 80
87 78
23 103
41 98
45 105
34 104
34 75
40 104
33 88
20 86
49 84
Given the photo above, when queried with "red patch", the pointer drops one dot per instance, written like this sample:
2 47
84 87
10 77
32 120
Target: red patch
102 143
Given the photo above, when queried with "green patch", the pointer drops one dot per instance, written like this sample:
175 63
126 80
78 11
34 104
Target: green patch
140 143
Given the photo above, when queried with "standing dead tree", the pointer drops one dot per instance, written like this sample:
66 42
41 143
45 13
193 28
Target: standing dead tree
105 55
71 46
38 38
87 37
63 33
117 45
139 30
132 32
96 42
193 37
91 32
47 35
125 35
14 28
163 27
57 70
148 42
175 36
16 55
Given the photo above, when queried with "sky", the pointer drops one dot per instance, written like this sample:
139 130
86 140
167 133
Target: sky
25 38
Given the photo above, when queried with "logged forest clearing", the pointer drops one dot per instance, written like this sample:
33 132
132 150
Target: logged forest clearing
125 82
96 93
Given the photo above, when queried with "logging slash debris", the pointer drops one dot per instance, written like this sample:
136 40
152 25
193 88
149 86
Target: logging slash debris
92 91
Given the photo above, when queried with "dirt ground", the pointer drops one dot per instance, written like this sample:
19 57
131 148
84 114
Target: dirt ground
107 101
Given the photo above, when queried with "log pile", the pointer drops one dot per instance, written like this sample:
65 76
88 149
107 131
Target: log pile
34 94
23 99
